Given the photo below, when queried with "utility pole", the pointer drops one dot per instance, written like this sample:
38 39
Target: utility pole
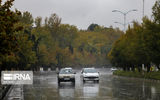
143 7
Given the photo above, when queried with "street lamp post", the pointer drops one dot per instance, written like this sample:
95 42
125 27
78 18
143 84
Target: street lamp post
122 23
125 14
143 8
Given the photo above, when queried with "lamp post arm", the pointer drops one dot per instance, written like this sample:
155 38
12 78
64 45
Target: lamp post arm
119 11
130 11
119 23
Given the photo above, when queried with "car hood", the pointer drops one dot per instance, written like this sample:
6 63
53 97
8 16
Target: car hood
66 74
91 74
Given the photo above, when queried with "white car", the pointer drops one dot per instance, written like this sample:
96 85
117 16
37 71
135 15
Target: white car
90 74
66 75
113 69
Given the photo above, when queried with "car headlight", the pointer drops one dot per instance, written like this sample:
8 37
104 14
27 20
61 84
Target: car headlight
84 75
97 75
60 76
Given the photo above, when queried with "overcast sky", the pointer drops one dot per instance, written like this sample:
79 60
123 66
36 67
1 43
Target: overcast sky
82 13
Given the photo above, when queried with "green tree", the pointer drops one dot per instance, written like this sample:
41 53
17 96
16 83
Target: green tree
8 40
92 27
53 23
156 12
26 18
38 22
27 57
152 41
66 35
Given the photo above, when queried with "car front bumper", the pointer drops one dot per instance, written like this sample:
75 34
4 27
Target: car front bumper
66 79
91 78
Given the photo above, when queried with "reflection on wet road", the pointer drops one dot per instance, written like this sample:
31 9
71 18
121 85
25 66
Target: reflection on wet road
45 87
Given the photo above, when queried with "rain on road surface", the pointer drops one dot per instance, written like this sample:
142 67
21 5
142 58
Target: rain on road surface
110 87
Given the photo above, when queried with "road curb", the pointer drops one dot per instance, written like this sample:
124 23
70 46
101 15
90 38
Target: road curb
15 92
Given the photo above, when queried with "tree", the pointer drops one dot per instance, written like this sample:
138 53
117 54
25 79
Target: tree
38 22
156 12
26 18
26 56
44 46
8 40
152 40
140 45
92 27
53 23
155 27
66 34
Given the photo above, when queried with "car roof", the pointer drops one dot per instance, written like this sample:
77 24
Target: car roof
89 68
68 68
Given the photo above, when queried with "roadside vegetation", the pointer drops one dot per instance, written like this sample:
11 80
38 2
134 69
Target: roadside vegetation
28 44
140 45
137 74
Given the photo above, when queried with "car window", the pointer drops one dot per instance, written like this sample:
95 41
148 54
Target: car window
66 71
89 71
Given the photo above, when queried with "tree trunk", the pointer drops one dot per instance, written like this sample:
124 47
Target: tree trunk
128 68
139 68
133 69
148 68
124 68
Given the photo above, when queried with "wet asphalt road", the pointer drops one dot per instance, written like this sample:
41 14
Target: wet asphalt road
110 87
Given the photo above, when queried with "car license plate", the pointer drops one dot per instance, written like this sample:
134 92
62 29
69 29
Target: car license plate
66 79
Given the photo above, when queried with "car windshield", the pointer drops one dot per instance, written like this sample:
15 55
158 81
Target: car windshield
90 70
66 71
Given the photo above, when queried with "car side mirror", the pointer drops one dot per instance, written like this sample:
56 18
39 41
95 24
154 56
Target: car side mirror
74 72
57 72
